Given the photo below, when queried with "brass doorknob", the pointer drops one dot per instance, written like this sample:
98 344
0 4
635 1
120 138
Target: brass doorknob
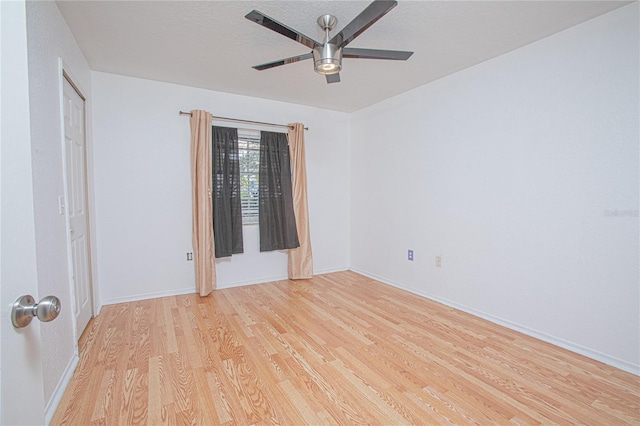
25 308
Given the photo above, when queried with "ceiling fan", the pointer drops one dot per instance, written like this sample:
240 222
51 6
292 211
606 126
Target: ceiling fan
327 56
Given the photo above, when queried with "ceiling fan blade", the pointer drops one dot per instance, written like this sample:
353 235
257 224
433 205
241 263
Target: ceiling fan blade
364 20
395 55
285 61
333 78
262 19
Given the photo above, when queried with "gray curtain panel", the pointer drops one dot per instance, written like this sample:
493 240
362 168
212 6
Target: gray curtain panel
277 220
227 212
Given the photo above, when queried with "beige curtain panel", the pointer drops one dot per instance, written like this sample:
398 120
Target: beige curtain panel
201 178
300 259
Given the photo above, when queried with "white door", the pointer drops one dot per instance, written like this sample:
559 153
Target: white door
21 397
75 169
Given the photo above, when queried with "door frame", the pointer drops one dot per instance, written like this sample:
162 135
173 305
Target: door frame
65 74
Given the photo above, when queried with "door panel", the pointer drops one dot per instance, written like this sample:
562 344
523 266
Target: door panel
21 383
76 204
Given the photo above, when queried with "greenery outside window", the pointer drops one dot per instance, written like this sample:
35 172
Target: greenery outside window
249 152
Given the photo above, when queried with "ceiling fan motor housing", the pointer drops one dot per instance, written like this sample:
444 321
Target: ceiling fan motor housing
327 59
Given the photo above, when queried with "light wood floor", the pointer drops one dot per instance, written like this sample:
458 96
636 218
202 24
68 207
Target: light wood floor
338 349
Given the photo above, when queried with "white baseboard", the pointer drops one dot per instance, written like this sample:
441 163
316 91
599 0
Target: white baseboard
145 296
53 403
330 270
275 278
557 341
252 282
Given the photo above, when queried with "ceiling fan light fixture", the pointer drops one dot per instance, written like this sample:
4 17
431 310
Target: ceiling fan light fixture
327 59
328 67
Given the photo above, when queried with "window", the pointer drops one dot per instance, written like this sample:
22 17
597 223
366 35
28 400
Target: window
249 152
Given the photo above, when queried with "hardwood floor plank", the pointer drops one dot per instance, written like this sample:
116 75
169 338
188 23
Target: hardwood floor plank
168 327
379 399
337 349
182 385
104 397
317 385
126 397
222 407
297 400
154 396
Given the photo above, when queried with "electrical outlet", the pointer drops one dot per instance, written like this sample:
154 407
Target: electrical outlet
189 257
410 255
439 261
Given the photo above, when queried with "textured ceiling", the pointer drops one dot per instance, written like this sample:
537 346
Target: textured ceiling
209 44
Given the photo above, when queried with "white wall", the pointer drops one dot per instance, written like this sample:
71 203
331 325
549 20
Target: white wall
49 39
511 171
143 187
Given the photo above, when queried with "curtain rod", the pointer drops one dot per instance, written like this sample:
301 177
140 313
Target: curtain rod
237 120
